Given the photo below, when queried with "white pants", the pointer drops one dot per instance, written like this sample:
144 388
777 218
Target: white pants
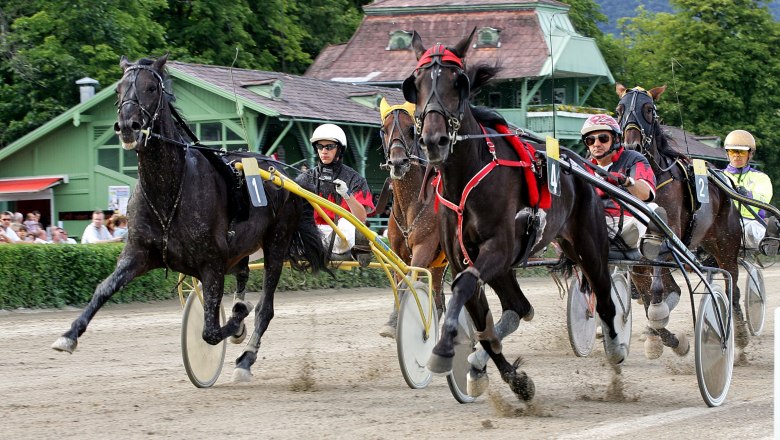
754 233
339 245
633 229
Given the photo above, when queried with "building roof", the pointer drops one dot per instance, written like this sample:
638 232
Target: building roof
688 144
301 98
384 4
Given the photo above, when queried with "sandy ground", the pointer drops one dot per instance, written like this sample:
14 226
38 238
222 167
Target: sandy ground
324 372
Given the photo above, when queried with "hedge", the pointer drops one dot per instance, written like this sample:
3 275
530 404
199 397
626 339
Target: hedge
37 276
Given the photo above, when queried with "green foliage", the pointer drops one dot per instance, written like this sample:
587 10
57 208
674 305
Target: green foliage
33 275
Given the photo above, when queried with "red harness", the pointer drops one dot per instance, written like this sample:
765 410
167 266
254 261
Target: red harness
460 208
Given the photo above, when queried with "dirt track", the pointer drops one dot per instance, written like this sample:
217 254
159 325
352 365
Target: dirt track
324 372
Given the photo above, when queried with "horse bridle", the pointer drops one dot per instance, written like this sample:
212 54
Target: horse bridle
401 138
630 119
148 118
435 59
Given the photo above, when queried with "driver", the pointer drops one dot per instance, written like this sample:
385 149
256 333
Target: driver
627 169
337 182
740 147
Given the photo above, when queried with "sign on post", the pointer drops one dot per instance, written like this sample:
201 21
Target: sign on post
254 183
702 188
553 166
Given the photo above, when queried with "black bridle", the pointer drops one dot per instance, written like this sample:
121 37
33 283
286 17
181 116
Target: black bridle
631 118
398 136
435 60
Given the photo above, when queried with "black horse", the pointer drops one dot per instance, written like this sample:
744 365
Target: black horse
189 213
714 226
489 216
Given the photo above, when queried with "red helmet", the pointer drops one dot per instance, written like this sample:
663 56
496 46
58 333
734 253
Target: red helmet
600 122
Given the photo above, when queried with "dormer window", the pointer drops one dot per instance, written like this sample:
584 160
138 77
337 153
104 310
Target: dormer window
399 40
488 37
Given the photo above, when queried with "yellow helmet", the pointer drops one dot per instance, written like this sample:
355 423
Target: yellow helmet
740 140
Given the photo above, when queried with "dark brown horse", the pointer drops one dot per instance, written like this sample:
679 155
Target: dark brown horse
412 230
187 213
714 226
499 220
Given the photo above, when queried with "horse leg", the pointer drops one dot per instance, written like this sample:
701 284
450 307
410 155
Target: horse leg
264 311
128 268
477 380
213 280
241 272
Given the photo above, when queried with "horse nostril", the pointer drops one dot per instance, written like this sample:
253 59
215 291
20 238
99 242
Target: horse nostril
135 126
444 141
117 128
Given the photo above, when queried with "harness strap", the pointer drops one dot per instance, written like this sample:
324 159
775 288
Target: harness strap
460 208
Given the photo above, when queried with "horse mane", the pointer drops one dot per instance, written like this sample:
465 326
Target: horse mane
481 75
664 148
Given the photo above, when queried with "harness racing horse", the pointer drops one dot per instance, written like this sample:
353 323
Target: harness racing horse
488 213
413 231
713 226
180 216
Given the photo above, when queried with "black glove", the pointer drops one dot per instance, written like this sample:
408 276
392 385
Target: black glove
744 191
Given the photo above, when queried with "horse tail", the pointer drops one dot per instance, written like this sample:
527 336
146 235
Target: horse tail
307 252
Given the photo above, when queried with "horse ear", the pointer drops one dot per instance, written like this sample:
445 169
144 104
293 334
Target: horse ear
384 108
417 44
410 90
159 63
463 46
656 92
124 63
620 89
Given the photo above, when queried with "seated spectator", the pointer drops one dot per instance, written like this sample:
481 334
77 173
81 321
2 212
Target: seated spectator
120 226
24 237
7 234
96 232
64 236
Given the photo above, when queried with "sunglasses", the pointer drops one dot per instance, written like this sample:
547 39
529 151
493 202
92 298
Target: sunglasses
603 138
329 147
737 152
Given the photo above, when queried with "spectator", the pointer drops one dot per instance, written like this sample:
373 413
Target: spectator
96 232
17 219
120 226
32 224
64 236
7 234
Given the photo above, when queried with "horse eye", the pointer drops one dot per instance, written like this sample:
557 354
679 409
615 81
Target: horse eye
152 89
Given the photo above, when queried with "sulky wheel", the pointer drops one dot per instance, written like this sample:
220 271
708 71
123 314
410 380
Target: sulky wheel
464 346
202 361
413 344
714 350
581 318
755 296
621 297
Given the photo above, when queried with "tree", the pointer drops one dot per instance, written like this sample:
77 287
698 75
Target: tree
720 59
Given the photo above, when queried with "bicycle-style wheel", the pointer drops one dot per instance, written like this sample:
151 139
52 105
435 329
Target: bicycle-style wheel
581 319
755 300
202 361
621 297
714 347
413 344
464 346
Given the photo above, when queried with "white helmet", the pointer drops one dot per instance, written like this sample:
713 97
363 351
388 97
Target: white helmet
740 140
329 132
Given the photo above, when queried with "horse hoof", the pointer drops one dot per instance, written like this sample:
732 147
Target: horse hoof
683 346
440 365
654 347
658 312
616 351
241 375
65 344
523 387
241 309
477 382
387 331
239 338
530 315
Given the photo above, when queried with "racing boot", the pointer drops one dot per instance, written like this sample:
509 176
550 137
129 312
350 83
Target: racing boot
653 239
362 250
771 242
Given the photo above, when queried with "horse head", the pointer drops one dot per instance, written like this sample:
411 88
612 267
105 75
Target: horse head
140 96
637 116
440 89
398 141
